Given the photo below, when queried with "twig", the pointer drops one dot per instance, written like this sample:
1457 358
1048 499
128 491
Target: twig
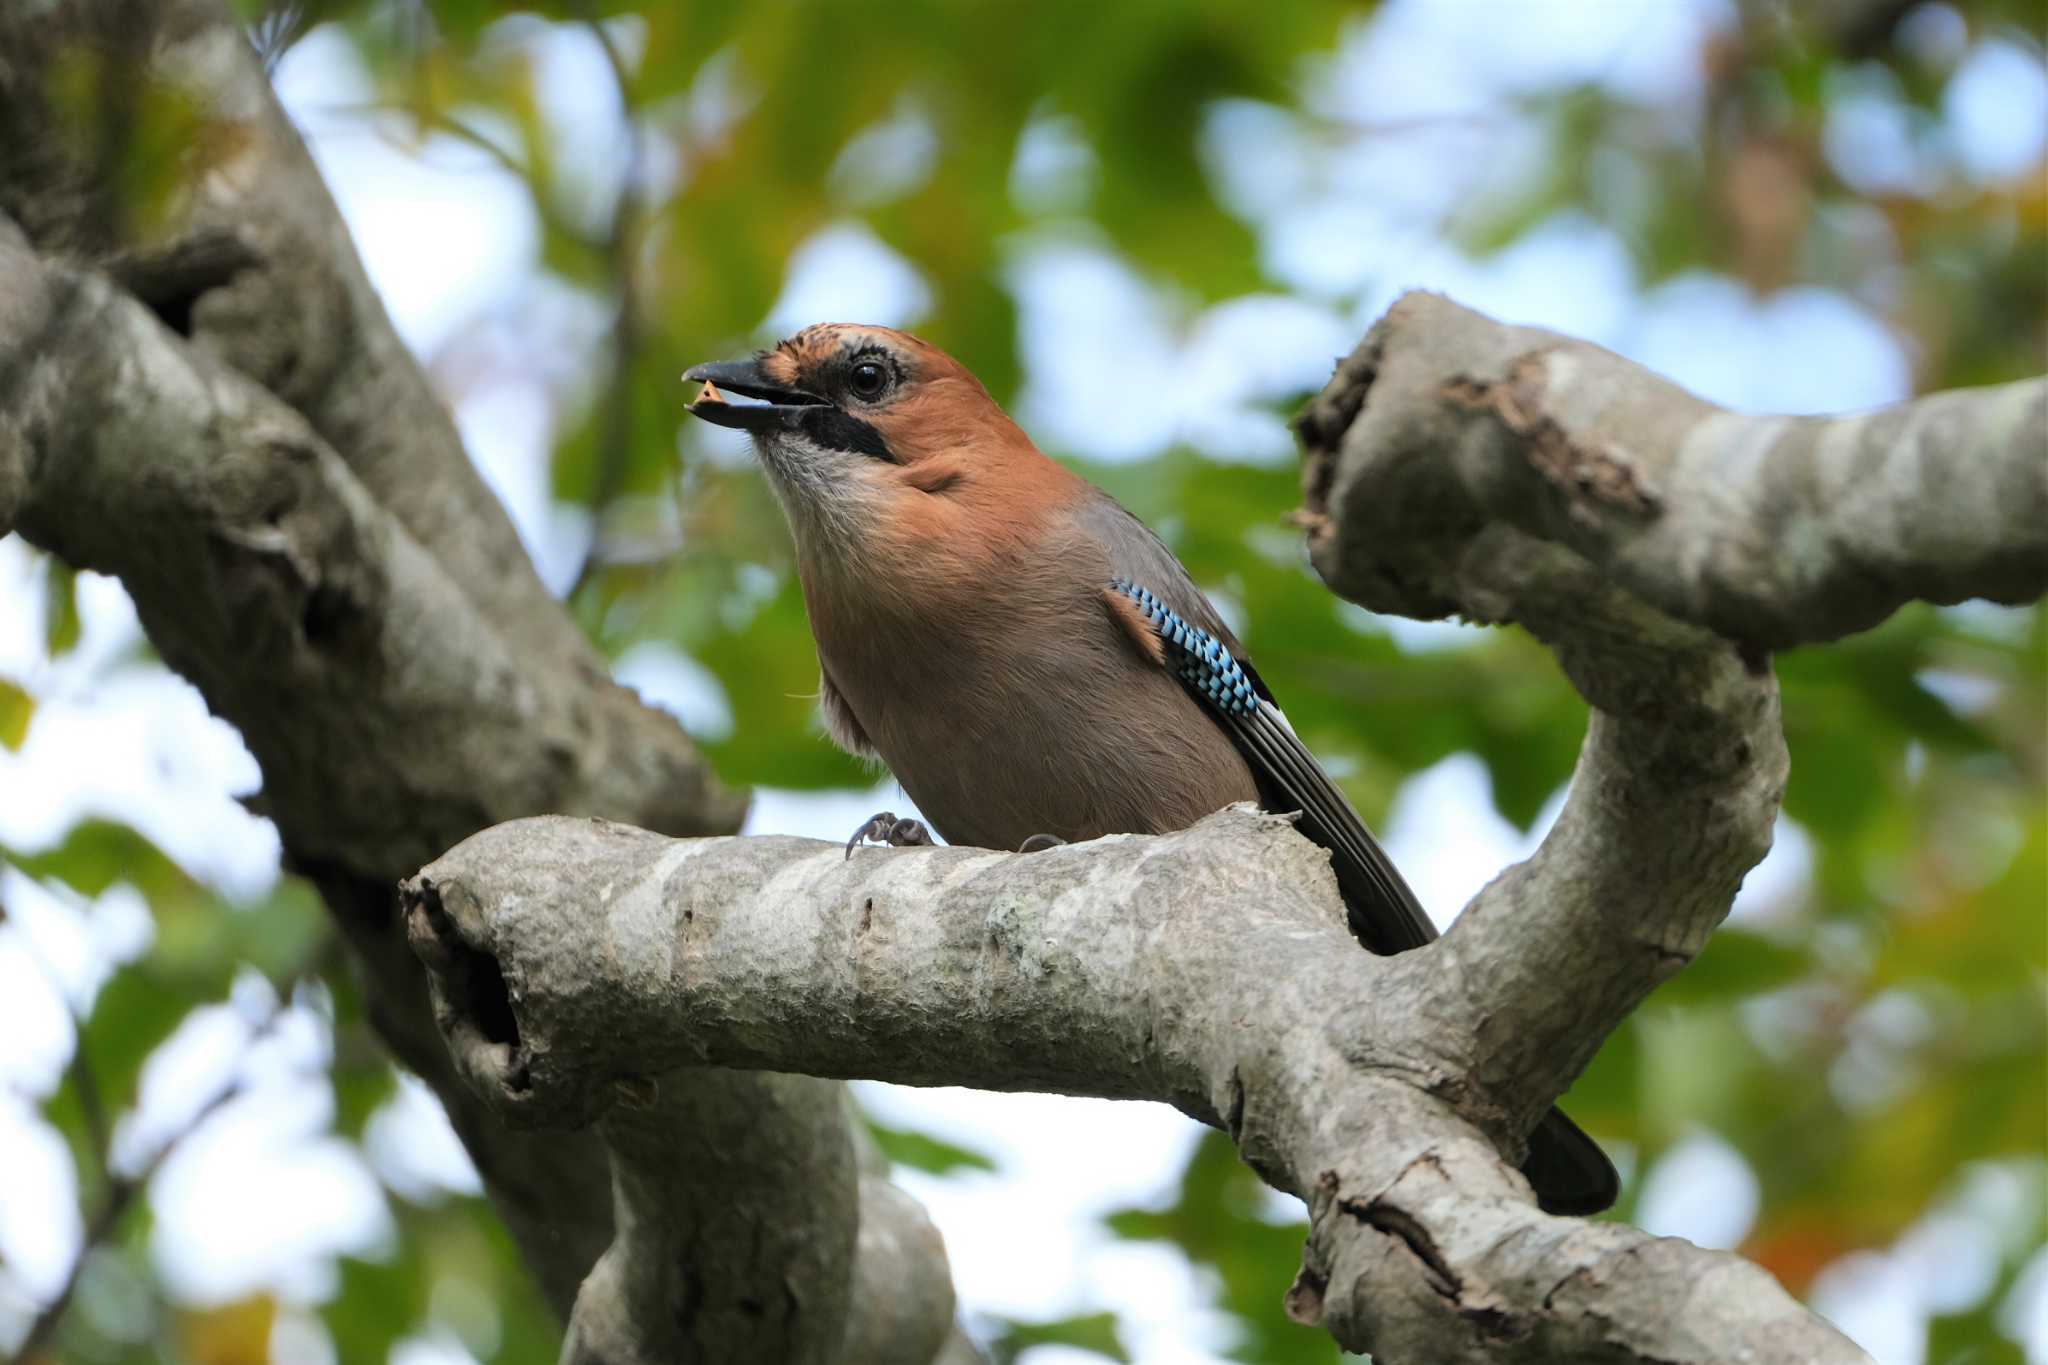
85 1080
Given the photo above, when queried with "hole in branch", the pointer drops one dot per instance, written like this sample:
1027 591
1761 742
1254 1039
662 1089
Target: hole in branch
490 1001
170 284
471 979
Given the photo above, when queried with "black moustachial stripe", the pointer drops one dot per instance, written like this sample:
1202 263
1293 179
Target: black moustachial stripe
836 430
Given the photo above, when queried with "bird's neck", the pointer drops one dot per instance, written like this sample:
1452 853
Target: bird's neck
939 572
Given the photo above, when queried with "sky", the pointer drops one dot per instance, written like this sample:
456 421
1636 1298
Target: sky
263 1196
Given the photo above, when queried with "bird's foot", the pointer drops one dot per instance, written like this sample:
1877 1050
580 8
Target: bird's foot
885 828
1038 843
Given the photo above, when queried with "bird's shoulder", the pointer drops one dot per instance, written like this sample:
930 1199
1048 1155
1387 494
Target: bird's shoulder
1134 555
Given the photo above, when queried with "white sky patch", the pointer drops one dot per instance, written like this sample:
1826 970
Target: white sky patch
1091 335
263 1198
413 1147
40 1230
844 273
1569 274
1778 885
578 98
132 743
440 228
508 430
666 677
22 624
1258 348
1996 106
40 1031
1803 350
141 748
1875 1300
886 160
1054 169
1702 1190
1264 346
50 927
1419 60
2024 1314
1448 839
1094 333
1101 1156
1258 156
1875 140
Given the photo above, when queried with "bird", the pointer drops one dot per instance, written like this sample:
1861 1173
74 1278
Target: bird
1031 662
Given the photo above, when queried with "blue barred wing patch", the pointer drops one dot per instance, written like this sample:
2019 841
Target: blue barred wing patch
1199 657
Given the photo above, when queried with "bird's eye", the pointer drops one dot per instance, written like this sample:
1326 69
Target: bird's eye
869 378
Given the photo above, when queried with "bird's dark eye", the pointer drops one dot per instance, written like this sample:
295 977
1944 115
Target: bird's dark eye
869 378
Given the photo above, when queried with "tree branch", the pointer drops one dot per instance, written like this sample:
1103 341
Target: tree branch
575 962
207 400
1446 432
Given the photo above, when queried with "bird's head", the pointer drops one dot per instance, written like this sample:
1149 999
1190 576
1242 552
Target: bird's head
870 432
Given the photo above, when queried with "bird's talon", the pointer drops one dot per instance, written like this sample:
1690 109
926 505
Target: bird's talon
1038 843
885 828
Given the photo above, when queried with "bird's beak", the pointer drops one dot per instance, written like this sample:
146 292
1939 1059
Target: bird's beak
775 406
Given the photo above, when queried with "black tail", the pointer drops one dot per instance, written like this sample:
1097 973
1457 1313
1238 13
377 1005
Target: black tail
1570 1173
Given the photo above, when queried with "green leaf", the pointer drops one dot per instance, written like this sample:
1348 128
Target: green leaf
770 672
1735 964
923 1152
1091 1332
97 853
61 624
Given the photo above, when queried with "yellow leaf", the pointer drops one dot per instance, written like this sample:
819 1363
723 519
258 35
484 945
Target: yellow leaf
16 707
233 1334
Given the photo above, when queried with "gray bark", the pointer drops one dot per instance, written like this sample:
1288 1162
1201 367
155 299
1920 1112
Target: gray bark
1447 437
200 394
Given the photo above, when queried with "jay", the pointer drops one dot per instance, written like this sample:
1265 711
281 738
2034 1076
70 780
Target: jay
1030 661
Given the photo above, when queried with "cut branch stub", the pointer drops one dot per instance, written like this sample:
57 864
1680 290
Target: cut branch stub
1446 437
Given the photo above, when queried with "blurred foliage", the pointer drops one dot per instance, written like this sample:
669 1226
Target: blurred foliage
1093 1332
1870 1043
923 1152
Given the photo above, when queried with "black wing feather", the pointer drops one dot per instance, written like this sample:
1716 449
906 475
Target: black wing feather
1570 1173
1385 915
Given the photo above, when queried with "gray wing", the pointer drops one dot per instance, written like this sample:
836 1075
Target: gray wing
1211 664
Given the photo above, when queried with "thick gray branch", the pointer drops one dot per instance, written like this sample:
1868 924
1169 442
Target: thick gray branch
576 962
234 239
1767 531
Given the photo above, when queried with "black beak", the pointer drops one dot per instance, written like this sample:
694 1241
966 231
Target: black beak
776 406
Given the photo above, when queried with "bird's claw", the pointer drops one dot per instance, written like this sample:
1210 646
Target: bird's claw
1038 843
885 828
